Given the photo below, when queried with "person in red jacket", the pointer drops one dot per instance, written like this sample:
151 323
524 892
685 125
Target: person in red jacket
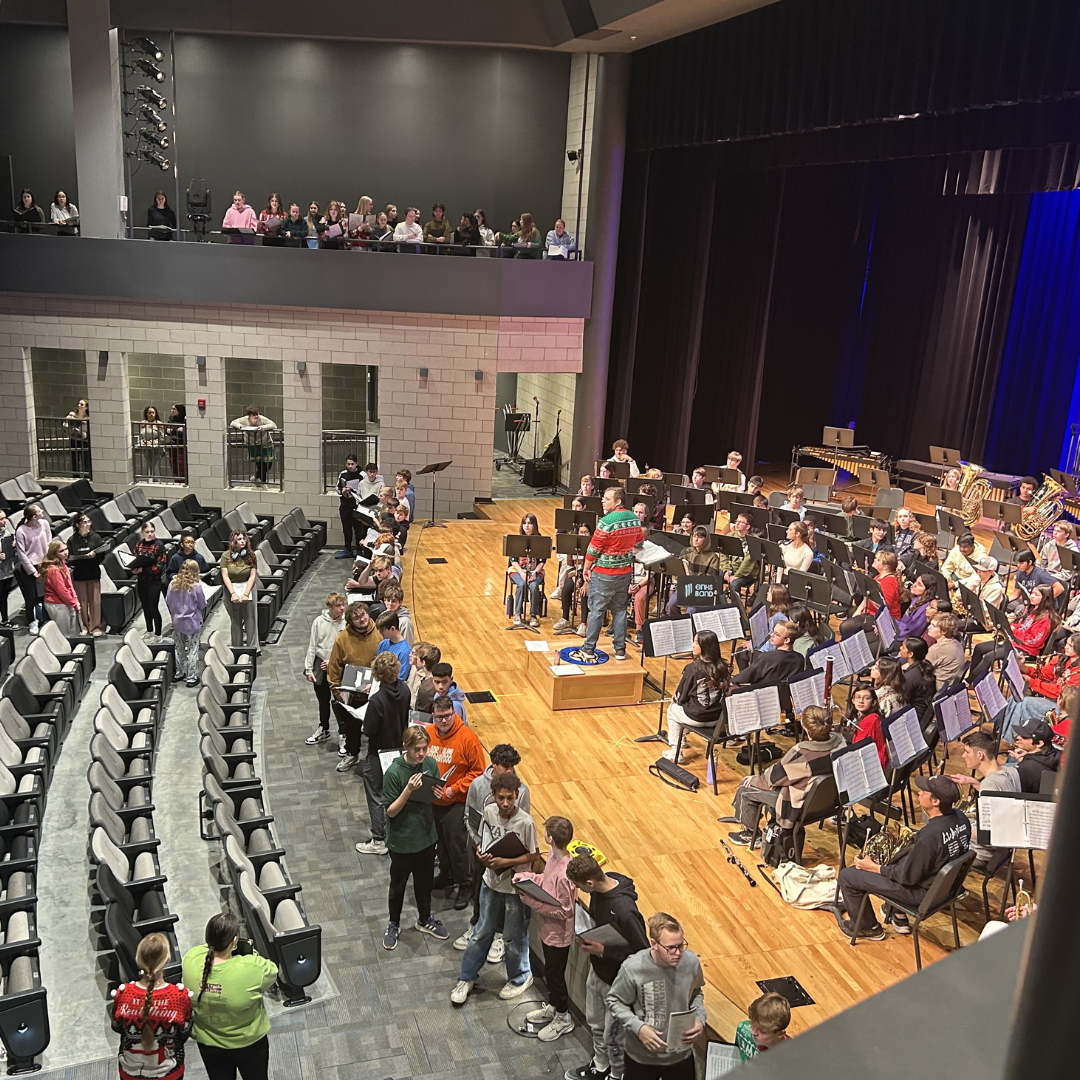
1063 670
863 712
1030 633
61 600
460 758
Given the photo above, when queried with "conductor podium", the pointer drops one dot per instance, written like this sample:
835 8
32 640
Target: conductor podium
598 686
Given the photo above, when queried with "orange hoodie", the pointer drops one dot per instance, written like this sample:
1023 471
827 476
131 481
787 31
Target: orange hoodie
460 748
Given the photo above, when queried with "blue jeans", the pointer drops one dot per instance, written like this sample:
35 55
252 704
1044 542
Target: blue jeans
608 592
1019 712
535 588
516 933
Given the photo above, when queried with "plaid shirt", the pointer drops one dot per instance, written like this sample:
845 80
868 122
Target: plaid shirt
611 549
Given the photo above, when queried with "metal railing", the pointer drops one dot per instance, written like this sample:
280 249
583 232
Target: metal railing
63 447
338 445
159 452
255 457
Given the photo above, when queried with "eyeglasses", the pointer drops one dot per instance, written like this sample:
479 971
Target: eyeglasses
674 950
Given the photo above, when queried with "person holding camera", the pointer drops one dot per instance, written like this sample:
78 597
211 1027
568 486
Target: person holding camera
228 979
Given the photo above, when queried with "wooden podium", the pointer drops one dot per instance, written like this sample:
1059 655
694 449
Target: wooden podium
597 686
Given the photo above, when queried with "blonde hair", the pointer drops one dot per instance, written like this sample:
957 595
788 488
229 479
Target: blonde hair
946 622
52 557
662 921
151 956
360 205
334 598
187 577
770 1014
414 735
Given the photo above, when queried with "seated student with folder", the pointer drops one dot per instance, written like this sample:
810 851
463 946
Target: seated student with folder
508 843
781 662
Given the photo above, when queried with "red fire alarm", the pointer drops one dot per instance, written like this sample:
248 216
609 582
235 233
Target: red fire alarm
202 404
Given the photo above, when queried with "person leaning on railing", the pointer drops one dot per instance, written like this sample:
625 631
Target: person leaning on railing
260 445
526 240
27 213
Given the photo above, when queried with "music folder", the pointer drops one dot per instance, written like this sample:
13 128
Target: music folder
530 888
357 680
603 935
425 793
903 737
669 636
1015 819
129 561
858 771
508 846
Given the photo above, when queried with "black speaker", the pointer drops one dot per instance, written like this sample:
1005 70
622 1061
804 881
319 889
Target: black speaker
539 472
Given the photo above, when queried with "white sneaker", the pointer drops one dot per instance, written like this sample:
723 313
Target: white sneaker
562 624
561 1025
372 847
462 943
581 630
317 736
534 621
33 628
539 1017
341 746
519 620
511 991
669 753
347 762
460 992
497 950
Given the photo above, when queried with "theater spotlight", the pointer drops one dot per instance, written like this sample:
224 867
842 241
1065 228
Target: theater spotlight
154 158
151 136
148 93
150 116
148 69
148 47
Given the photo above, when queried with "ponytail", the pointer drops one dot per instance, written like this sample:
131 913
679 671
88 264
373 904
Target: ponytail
152 955
147 1040
205 973
221 931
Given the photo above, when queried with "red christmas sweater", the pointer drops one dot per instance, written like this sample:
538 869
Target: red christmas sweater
170 1016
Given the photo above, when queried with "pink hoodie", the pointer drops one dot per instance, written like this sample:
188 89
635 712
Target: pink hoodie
556 923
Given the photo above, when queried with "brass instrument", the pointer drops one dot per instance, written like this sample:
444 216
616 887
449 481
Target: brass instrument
974 489
1023 898
887 844
969 806
1046 506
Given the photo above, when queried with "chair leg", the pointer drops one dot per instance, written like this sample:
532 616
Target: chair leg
918 953
955 927
678 744
1031 865
710 753
986 897
857 921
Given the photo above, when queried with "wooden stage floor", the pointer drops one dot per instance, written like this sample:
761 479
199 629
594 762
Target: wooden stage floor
585 764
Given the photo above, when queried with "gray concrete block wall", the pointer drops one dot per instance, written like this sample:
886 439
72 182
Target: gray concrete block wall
156 379
16 410
59 380
345 397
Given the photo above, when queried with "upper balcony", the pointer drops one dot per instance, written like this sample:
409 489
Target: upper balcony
238 274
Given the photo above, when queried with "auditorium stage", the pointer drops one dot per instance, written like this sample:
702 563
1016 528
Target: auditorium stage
585 764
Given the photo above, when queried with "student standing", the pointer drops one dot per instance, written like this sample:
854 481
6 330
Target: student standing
231 1025
324 631
148 578
354 646
238 570
186 602
32 538
85 566
60 600
765 1027
7 566
651 985
497 894
612 899
348 487
392 641
410 836
556 928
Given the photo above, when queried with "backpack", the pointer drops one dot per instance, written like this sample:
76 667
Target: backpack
806 887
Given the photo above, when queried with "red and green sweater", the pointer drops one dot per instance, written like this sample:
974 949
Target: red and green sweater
611 549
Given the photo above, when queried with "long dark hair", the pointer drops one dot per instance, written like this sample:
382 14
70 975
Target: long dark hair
779 600
220 932
804 619
918 649
717 674
930 585
1063 661
892 676
165 197
1044 605
531 518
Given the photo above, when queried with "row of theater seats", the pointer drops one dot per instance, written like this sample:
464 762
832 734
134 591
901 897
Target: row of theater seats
233 813
38 701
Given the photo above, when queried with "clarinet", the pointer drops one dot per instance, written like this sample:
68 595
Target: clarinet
735 862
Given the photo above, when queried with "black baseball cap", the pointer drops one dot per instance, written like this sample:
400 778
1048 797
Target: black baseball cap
941 788
1037 730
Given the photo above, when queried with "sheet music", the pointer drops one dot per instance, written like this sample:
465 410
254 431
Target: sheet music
649 554
559 670
946 708
721 1059
742 714
858 772
1018 823
807 691
671 636
537 646
886 627
759 626
1014 675
857 653
904 737
840 669
725 623
768 706
989 695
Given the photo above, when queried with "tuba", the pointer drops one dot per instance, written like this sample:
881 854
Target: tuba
887 845
1046 506
974 489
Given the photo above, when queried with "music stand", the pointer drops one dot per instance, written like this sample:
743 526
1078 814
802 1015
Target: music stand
928 523
519 546
815 477
786 517
975 607
675 479
712 474
633 485
434 469
945 497
946 458
838 436
726 500
701 514
839 549
759 514
730 477
691 495
730 545
1070 560
953 523
570 521
621 469
593 503
1004 513
696 590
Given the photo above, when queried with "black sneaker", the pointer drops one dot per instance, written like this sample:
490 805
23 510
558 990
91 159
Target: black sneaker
899 922
582 656
867 933
744 837
585 1072
620 654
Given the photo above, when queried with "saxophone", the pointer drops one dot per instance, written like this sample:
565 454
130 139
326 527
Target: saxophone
887 845
1046 506
974 489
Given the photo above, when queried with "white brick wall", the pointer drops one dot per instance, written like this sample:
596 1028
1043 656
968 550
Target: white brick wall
579 109
449 415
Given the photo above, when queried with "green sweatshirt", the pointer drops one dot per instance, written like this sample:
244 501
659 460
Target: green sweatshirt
231 1013
414 827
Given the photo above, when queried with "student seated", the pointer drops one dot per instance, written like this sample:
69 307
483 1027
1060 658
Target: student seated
944 837
920 684
698 561
571 584
782 785
1049 679
778 608
1034 753
698 701
766 1026
796 549
794 502
1029 633
946 655
768 668
962 560
981 757
863 720
698 482
526 578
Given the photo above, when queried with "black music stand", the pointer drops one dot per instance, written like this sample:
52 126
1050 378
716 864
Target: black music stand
570 544
726 500
592 502
434 469
569 521
944 497
1004 513
953 524
1070 560
683 495
674 479
520 546
621 469
975 608
839 550
761 515
696 590
729 477
702 514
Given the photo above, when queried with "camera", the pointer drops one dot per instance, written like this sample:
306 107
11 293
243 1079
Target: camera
571 155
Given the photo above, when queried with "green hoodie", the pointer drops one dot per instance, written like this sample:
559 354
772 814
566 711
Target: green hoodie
231 1013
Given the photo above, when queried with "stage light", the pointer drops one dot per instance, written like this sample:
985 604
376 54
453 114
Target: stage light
148 93
151 136
148 47
147 68
154 158
148 114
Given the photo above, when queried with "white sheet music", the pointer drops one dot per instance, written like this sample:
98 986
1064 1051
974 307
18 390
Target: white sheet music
650 554
1014 675
721 1059
768 706
840 670
537 646
671 636
725 623
886 627
857 653
759 626
989 695
946 708
858 772
808 691
904 739
1018 823
742 714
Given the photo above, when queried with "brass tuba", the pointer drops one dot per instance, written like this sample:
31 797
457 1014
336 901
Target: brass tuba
887 845
1046 506
974 489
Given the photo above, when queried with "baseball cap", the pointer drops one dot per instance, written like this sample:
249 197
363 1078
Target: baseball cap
987 562
941 787
1038 730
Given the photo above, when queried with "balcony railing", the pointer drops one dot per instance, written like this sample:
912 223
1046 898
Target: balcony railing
338 445
63 447
159 452
255 457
